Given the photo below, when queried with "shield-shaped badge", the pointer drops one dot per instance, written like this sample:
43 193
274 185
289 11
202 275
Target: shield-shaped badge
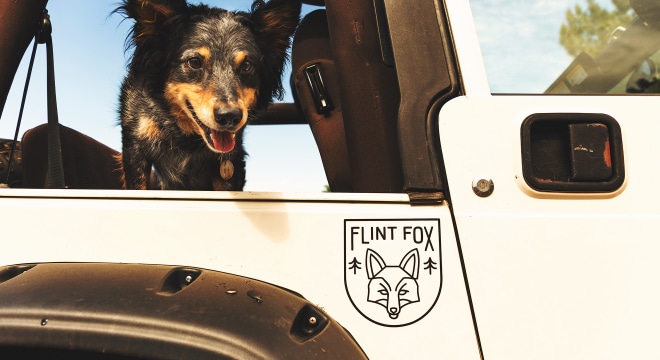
392 268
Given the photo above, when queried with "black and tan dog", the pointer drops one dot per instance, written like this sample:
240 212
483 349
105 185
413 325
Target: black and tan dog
196 77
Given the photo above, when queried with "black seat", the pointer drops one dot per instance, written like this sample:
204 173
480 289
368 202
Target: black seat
364 91
88 164
315 88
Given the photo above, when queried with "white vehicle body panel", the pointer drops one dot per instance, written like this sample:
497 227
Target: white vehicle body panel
549 275
292 240
555 275
552 275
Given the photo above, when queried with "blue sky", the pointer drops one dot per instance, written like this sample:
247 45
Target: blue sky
90 64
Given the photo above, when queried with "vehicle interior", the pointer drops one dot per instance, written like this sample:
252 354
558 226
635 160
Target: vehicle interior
627 65
366 117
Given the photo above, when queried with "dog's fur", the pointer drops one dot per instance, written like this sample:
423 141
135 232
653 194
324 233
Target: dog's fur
196 77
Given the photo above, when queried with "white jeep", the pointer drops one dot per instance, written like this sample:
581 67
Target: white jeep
498 206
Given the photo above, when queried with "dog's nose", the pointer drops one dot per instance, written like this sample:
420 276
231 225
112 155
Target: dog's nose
228 117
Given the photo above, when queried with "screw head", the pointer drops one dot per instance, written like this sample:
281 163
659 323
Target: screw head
483 187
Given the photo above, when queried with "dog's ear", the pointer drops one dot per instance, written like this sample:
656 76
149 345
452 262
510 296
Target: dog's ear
149 16
274 24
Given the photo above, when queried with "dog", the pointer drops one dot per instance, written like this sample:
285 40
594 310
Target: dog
197 75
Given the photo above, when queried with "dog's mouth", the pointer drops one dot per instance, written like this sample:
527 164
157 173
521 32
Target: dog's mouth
222 141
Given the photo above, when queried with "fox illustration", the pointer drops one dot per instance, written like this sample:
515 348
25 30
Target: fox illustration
393 287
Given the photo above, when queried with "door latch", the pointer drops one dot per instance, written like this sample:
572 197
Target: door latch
572 152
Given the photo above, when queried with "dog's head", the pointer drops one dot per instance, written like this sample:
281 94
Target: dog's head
213 66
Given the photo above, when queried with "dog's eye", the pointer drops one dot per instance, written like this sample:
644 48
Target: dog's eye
246 67
194 63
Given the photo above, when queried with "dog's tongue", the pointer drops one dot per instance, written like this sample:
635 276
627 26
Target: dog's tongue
223 141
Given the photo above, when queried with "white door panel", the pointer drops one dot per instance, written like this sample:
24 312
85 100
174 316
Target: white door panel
294 241
555 275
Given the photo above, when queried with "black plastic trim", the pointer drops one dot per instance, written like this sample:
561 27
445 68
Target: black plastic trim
428 77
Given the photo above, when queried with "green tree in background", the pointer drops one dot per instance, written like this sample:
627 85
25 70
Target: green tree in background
589 29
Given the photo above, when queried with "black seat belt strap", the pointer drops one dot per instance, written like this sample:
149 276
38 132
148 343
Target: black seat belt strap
55 174
20 111
55 171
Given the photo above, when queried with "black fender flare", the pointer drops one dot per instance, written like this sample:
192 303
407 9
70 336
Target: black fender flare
126 311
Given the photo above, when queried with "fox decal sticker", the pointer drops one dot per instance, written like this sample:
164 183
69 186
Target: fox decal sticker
393 287
392 268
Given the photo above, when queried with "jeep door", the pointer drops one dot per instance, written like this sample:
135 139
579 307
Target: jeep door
381 258
551 168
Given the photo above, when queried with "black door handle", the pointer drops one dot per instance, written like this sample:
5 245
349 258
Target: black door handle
572 152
